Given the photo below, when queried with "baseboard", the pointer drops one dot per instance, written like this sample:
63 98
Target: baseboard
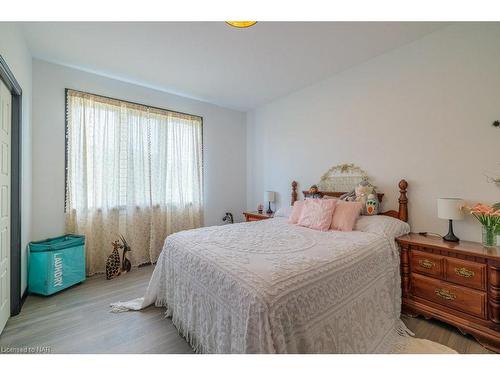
21 303
23 298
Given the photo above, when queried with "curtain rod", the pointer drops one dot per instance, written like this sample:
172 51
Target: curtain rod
134 103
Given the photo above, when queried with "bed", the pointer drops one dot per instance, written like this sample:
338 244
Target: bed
274 287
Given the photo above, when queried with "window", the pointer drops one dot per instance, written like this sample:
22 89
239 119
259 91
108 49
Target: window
128 165
129 154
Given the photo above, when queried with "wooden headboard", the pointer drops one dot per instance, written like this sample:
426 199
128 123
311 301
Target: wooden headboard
401 214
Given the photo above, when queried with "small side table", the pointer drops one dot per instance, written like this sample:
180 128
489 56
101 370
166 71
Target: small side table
255 216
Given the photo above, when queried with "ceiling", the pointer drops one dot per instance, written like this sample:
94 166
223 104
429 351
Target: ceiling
211 61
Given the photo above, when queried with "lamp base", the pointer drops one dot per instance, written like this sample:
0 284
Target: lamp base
451 236
269 211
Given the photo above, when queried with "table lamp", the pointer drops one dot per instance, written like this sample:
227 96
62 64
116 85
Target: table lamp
450 209
269 198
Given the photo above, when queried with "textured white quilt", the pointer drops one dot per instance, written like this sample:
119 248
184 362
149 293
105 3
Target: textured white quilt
272 287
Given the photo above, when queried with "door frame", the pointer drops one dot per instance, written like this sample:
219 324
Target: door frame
10 81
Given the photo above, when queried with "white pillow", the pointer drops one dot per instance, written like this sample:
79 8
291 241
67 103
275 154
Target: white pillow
383 225
283 211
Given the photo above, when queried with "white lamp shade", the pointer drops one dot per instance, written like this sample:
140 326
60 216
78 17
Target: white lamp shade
269 196
450 208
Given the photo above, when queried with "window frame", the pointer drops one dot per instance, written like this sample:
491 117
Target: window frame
123 101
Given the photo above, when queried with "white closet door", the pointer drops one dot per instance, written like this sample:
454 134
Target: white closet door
5 153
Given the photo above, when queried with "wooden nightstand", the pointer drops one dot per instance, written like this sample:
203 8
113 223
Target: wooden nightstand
255 216
458 283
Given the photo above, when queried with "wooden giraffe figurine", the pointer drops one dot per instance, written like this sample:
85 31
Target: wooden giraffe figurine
113 262
126 265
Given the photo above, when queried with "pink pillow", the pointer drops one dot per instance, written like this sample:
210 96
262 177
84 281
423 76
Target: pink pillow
296 211
345 215
317 213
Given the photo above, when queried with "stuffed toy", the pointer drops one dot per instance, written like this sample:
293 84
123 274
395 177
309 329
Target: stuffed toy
371 206
313 192
365 193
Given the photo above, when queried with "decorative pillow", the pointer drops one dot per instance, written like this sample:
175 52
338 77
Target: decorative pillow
317 214
383 225
283 211
345 215
351 196
296 211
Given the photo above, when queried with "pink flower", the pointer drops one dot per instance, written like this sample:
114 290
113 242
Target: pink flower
482 209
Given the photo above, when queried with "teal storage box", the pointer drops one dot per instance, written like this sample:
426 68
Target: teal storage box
56 264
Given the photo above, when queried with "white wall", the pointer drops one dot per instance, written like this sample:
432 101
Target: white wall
224 143
15 52
422 112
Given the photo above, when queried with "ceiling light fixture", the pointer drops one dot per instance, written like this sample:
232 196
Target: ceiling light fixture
241 24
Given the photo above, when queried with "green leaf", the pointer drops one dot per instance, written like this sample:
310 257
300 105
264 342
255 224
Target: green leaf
496 206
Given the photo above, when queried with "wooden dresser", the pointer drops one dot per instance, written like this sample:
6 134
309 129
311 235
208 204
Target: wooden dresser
458 283
255 216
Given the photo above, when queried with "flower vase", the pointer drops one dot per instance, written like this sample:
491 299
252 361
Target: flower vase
489 236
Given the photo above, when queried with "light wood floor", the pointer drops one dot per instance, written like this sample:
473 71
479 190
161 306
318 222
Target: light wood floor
78 321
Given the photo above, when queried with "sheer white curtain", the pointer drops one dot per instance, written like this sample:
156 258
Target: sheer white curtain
131 170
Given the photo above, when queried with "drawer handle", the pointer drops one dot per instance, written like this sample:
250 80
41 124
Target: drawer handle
426 263
445 294
464 272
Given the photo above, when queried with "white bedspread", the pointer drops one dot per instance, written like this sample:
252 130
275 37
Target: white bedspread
272 287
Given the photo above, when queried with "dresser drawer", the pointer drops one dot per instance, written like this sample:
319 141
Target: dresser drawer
470 301
466 273
425 263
